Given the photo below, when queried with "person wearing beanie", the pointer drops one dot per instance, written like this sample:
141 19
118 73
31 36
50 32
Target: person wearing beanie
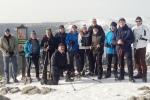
142 35
8 47
111 54
124 39
32 53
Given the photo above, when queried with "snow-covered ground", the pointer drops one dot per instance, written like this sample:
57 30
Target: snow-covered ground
86 89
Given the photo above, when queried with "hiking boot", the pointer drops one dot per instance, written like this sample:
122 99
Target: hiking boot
132 80
16 80
43 81
108 75
120 78
138 76
50 82
144 79
69 80
99 77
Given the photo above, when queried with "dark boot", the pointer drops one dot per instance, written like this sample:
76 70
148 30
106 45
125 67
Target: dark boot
16 80
131 80
43 81
138 76
116 74
69 77
144 78
108 74
122 72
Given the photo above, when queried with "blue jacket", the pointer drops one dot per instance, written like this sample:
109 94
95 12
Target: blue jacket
109 43
127 36
72 42
28 48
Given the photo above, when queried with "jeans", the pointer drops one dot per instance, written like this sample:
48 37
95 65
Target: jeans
7 60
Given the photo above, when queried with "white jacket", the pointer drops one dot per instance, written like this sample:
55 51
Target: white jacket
142 36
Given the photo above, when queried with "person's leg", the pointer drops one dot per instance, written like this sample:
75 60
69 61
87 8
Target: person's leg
55 79
99 65
6 68
35 60
128 55
121 65
109 61
91 61
28 63
137 57
115 61
44 76
80 68
143 64
14 68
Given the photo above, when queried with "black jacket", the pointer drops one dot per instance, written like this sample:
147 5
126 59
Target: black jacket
60 38
58 62
49 42
126 35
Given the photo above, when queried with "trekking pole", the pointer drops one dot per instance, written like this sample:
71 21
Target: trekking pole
74 89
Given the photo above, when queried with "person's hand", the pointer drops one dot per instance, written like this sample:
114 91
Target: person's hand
97 46
46 49
11 53
120 42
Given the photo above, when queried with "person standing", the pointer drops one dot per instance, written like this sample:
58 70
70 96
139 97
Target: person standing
48 45
111 53
124 39
8 46
98 50
142 35
84 41
73 48
102 34
32 53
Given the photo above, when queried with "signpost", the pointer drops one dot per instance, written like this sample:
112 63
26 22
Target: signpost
22 37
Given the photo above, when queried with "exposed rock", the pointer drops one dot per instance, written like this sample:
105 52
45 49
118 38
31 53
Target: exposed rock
144 88
30 90
46 90
14 90
4 91
142 98
132 98
3 98
34 91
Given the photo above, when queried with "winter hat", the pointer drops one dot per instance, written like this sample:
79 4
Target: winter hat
61 44
61 27
33 32
113 24
7 30
138 18
122 19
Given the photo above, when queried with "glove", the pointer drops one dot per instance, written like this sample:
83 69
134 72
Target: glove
11 54
72 43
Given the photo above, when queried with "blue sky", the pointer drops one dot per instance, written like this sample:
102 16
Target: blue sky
68 10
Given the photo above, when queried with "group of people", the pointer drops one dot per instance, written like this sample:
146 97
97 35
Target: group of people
67 52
